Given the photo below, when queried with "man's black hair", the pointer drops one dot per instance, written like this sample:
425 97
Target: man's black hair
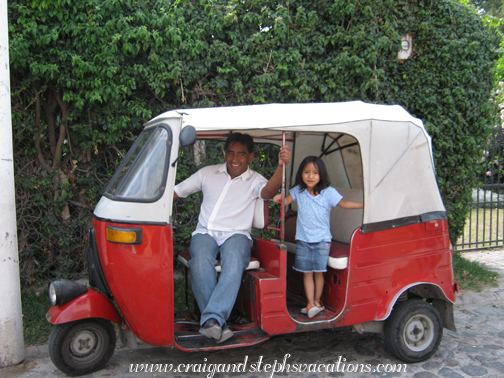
244 139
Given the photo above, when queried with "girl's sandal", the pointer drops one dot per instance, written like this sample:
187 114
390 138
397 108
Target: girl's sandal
304 311
320 305
312 310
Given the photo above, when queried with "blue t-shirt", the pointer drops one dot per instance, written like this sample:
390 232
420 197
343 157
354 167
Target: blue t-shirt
313 220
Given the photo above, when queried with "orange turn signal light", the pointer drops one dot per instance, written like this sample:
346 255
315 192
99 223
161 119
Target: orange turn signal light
124 235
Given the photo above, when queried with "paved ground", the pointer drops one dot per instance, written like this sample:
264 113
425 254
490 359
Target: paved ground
475 350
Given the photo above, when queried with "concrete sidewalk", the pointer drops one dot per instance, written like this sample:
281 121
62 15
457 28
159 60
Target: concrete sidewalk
493 259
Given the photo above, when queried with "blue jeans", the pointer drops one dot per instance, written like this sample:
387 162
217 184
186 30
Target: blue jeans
216 299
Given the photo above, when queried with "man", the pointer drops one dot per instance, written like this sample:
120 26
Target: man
229 194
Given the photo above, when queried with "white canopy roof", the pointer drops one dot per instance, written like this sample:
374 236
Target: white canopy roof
397 169
288 115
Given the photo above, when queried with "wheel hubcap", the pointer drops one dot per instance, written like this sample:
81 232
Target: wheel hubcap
83 343
418 333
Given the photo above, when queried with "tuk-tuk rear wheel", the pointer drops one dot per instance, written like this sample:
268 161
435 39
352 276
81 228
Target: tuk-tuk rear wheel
413 331
82 346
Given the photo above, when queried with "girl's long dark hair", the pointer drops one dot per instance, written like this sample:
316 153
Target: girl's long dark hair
322 171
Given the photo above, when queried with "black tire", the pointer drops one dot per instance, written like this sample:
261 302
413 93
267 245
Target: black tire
83 346
413 331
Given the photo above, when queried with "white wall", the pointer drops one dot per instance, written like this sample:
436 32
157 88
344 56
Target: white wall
11 326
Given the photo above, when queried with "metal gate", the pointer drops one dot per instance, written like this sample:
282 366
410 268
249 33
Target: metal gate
485 223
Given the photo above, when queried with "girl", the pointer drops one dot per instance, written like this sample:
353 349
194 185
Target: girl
315 198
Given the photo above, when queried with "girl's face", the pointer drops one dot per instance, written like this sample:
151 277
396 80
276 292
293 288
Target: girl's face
310 176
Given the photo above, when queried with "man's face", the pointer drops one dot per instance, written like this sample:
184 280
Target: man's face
237 159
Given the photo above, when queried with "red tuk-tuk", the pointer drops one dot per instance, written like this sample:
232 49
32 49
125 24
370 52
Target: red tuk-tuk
390 267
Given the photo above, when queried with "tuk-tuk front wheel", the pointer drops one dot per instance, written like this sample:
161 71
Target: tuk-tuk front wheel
413 331
82 346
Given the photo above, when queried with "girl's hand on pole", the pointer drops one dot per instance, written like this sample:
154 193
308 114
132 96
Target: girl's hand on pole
277 198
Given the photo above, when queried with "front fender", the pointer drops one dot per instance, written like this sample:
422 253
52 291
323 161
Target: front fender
89 305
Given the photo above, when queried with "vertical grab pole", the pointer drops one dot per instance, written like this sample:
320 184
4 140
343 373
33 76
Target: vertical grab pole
282 207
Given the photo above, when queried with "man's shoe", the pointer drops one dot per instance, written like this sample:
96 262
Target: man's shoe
211 329
226 334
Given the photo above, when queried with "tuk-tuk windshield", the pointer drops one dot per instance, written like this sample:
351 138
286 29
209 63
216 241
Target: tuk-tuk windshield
142 174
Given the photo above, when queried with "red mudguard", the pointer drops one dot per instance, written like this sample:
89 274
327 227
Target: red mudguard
89 305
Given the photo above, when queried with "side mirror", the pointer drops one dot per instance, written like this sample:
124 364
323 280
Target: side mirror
187 136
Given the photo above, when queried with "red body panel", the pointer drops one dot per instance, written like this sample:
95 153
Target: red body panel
140 278
381 265
271 289
89 305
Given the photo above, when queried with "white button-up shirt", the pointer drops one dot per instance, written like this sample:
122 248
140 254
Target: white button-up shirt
228 204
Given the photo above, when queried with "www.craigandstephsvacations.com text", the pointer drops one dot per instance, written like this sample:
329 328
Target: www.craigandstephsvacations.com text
278 366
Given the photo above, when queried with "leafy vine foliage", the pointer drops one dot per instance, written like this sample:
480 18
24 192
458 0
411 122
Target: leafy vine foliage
86 75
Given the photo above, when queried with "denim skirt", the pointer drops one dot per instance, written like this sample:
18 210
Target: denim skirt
311 257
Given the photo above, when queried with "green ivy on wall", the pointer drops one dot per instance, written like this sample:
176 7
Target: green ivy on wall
86 75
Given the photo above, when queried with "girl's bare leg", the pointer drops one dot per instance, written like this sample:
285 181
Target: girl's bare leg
309 286
319 286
